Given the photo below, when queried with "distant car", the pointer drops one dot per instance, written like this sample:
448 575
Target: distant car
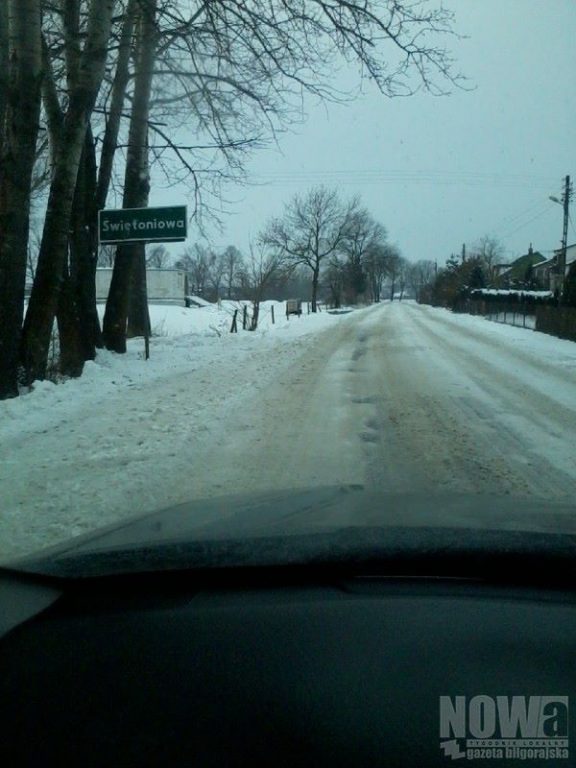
293 307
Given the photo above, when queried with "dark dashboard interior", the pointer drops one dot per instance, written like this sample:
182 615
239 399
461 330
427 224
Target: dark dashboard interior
279 667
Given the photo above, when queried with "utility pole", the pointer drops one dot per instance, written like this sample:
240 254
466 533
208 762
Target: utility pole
463 252
566 196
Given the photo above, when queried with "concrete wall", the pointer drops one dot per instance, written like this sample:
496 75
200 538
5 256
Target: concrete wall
163 284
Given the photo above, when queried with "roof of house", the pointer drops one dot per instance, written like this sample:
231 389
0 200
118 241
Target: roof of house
570 253
553 260
517 269
546 264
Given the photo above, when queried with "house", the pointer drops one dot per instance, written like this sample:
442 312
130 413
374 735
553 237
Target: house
546 273
520 271
165 286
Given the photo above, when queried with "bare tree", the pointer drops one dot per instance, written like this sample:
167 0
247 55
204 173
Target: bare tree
375 265
85 83
236 71
195 261
420 276
312 230
489 251
114 102
127 295
158 257
263 267
233 264
362 236
402 276
334 280
106 254
394 269
20 45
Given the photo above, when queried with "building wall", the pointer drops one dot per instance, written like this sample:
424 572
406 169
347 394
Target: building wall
163 284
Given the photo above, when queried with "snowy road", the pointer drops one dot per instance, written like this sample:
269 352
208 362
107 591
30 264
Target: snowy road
407 398
398 397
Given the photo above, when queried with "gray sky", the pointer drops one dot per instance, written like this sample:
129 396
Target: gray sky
440 171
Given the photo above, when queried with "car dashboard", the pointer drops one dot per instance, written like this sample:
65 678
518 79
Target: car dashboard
298 666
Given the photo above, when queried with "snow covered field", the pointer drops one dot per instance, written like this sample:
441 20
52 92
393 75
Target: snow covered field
126 436
396 396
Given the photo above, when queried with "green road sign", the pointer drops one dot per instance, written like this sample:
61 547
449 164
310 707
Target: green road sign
151 225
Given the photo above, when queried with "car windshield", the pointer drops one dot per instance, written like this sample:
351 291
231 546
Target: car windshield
251 251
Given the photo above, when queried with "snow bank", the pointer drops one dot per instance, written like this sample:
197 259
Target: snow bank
183 339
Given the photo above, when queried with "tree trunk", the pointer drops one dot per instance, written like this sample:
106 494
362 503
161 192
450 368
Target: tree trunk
4 71
84 251
136 180
109 144
18 144
71 360
54 247
116 314
80 340
121 78
51 264
315 279
138 315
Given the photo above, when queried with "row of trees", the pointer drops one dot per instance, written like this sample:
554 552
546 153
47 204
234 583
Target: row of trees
338 242
321 245
95 93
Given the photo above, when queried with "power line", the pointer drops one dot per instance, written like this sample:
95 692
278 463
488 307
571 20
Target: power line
508 221
392 176
526 223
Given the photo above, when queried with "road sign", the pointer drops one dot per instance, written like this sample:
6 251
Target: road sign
167 224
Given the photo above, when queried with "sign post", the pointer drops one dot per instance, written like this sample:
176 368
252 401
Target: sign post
167 224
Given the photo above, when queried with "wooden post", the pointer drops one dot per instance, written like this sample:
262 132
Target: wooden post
147 329
234 328
272 313
244 316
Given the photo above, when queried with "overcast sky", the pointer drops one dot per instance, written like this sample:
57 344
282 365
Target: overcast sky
441 171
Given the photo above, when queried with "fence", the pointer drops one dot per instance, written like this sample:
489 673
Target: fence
557 321
522 315
539 314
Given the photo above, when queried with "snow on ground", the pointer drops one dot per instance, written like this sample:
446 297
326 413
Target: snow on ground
398 397
183 339
81 453
548 352
517 385
198 301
